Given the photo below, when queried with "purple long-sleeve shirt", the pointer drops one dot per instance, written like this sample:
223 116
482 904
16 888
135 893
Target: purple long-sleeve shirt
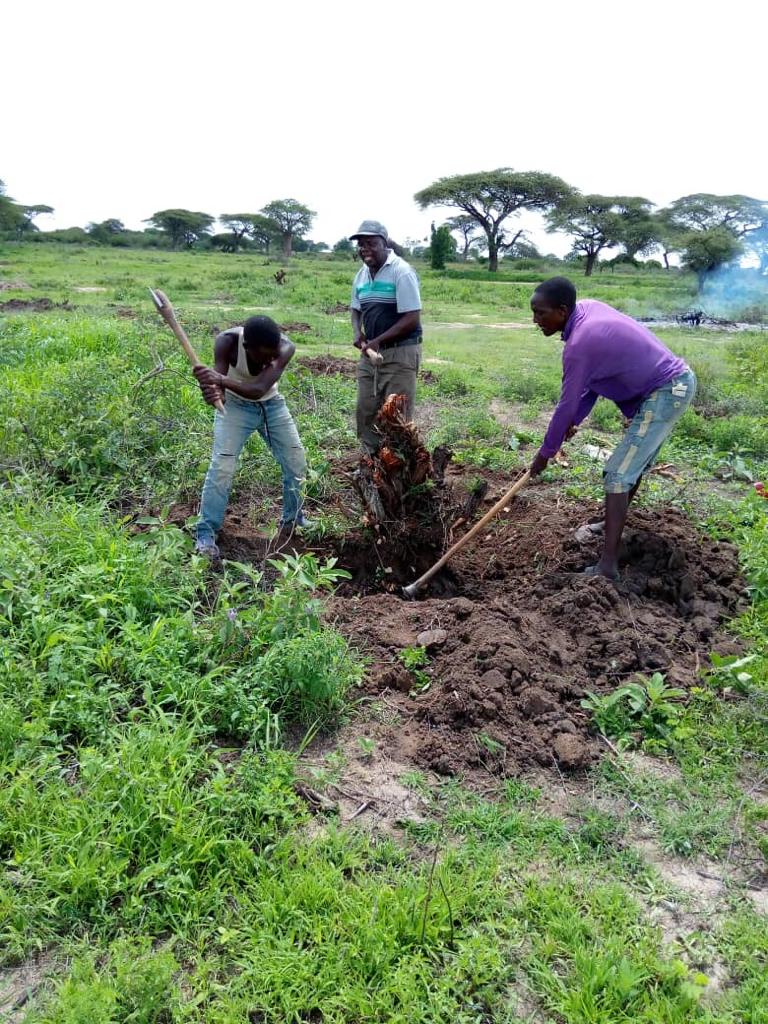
607 354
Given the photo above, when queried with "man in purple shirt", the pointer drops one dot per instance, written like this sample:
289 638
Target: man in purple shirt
610 355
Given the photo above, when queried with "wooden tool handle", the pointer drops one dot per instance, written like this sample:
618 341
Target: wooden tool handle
165 309
376 357
516 486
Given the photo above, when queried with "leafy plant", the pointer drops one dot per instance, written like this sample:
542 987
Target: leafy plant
643 710
734 467
414 659
367 746
730 670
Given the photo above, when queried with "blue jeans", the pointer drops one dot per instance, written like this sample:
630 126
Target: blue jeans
275 424
650 427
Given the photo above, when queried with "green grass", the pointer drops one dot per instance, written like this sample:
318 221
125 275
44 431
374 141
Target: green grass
152 840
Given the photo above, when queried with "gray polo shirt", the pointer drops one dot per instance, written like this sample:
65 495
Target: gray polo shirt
383 298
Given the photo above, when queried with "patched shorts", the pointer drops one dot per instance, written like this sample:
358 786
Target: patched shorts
650 427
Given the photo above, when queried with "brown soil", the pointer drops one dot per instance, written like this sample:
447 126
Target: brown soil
296 327
515 633
327 366
32 305
339 307
525 635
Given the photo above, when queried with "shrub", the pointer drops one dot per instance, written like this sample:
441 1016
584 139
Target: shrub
742 433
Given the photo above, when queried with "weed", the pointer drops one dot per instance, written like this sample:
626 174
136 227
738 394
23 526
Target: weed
367 746
414 659
641 710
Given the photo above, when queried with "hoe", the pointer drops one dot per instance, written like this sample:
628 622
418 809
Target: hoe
413 588
165 309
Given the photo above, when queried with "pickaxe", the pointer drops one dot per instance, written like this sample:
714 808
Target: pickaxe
165 309
414 588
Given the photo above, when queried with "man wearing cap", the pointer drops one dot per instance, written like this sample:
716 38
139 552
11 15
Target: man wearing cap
386 318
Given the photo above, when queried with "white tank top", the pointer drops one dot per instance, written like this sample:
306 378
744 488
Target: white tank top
240 372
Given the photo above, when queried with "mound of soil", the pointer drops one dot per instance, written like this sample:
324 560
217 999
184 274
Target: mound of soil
525 635
515 633
339 307
32 305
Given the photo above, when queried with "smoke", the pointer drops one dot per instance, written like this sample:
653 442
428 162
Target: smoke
735 293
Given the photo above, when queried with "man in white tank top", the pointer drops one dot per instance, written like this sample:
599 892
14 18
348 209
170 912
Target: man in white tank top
248 363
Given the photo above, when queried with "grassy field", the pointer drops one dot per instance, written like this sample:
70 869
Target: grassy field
160 862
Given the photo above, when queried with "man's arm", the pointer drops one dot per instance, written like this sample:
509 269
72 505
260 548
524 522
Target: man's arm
575 402
260 384
210 379
358 335
402 328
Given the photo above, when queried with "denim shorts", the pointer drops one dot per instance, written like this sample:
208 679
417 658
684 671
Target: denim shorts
650 427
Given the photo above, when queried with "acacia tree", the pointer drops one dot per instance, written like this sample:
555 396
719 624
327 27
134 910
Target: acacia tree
638 229
521 248
291 218
28 214
468 228
240 225
593 222
706 251
11 213
181 227
670 237
490 197
263 232
703 211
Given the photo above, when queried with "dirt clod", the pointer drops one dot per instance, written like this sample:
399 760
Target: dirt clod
431 638
571 751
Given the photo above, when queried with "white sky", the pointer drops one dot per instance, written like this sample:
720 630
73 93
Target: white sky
119 110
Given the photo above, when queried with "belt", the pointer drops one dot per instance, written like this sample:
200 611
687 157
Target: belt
400 344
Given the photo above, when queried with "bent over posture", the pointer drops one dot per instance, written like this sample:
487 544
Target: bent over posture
611 355
248 363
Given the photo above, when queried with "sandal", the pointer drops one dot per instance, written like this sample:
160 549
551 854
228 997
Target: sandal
595 570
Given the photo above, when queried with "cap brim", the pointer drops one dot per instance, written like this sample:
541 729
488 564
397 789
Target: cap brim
367 234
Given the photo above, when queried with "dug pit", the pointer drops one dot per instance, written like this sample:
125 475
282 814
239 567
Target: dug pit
489 668
515 635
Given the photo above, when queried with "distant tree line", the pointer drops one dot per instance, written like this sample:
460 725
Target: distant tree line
283 223
706 231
